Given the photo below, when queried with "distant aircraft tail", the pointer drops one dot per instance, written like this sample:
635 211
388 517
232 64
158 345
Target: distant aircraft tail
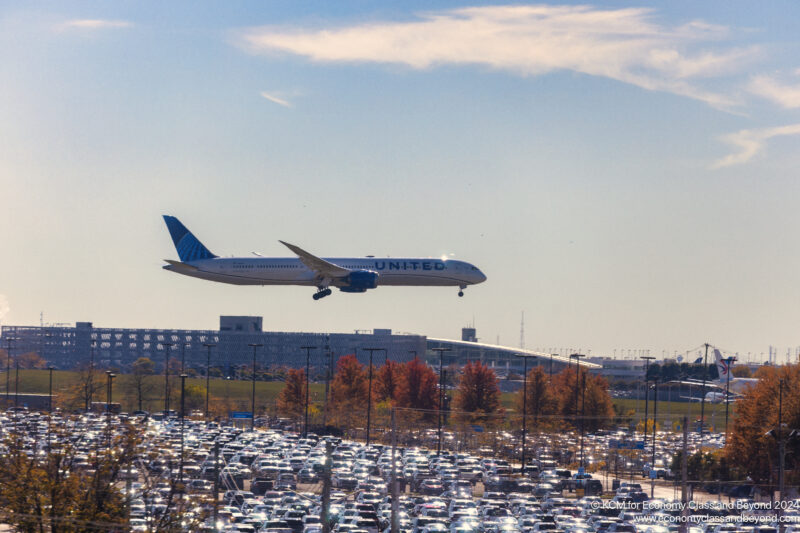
187 245
723 366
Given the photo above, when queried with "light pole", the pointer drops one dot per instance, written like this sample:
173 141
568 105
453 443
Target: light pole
253 393
308 369
16 383
730 361
577 357
49 407
183 415
441 397
655 418
369 390
524 408
647 359
90 379
109 396
184 344
703 396
167 346
9 340
208 367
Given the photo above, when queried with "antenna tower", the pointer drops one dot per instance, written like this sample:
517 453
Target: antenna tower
522 332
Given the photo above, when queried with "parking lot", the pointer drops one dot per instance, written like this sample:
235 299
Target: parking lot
195 476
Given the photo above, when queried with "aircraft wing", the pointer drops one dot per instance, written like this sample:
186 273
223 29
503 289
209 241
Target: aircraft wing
709 384
320 266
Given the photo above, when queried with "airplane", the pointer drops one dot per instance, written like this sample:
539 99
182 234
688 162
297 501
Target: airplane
725 386
356 274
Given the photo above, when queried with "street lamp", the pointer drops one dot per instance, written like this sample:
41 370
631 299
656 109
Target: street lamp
441 397
253 393
369 390
208 367
166 345
308 369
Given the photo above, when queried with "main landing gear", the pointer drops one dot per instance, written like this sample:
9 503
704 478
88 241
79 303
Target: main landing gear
322 293
461 291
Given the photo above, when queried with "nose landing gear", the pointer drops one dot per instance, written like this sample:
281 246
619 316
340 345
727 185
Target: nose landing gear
322 293
461 291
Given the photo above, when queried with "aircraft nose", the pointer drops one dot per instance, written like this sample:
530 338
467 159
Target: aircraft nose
480 277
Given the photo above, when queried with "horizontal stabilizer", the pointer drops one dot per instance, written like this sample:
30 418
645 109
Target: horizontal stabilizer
180 266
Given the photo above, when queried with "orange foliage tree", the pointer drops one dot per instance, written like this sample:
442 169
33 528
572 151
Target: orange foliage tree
31 360
386 381
292 399
478 391
593 405
418 388
749 445
349 391
541 400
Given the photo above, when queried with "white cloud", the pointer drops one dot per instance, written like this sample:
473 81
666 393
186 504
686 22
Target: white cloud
751 143
95 24
785 95
276 99
621 44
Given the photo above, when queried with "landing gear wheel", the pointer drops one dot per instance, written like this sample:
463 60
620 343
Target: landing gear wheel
460 293
322 293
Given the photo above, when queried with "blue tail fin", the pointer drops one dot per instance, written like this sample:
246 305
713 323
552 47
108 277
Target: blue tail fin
189 248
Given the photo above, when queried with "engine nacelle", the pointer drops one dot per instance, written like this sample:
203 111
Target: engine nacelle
360 281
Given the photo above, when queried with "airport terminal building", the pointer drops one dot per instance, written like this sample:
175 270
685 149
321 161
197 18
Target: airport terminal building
232 347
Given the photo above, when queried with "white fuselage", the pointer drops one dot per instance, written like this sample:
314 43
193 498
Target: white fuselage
291 271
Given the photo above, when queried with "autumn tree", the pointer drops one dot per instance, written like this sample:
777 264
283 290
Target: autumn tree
349 391
753 440
48 493
582 396
541 402
478 391
418 388
292 398
141 369
386 381
30 360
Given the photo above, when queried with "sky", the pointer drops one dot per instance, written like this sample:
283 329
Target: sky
625 173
